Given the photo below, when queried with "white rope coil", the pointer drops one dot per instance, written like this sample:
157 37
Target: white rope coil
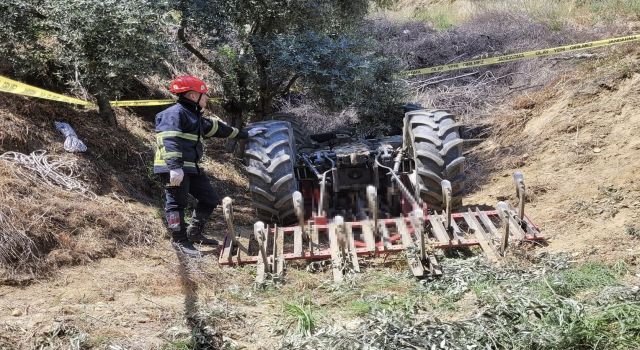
55 171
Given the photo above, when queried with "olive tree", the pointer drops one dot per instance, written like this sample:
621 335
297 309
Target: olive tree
260 49
22 37
105 45
98 46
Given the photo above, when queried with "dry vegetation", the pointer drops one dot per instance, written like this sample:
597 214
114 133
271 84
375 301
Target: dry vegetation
490 29
445 14
549 304
44 227
61 209
568 122
317 119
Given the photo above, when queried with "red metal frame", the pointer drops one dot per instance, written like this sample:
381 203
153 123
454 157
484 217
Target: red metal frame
321 223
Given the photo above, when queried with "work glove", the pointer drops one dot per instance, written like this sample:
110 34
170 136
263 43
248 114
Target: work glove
176 176
255 131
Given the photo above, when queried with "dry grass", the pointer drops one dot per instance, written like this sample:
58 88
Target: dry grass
317 119
475 92
60 335
507 147
431 33
555 13
45 227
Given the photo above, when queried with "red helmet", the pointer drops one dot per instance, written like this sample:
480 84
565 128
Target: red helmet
187 83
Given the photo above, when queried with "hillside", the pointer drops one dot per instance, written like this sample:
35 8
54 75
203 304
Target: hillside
111 229
95 270
574 140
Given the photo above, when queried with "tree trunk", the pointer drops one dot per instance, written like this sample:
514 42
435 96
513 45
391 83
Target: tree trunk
265 88
235 112
105 110
266 105
233 108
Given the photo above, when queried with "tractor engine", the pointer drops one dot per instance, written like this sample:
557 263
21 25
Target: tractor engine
332 170
336 174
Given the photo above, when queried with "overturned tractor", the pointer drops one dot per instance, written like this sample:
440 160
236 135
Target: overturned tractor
346 197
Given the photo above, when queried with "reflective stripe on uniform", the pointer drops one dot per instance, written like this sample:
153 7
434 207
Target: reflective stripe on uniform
214 128
161 162
169 155
161 135
234 133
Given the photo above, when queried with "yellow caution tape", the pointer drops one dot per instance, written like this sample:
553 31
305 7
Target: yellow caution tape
15 87
520 56
136 103
141 103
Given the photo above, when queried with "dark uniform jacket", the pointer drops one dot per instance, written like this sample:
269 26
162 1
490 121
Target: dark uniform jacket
179 133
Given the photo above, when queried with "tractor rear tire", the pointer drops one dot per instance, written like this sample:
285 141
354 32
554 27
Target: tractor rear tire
300 132
436 148
270 159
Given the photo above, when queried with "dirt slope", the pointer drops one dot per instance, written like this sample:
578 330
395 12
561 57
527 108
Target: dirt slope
577 144
129 297
575 140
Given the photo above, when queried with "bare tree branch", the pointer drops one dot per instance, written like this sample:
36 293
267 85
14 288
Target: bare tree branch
290 84
185 42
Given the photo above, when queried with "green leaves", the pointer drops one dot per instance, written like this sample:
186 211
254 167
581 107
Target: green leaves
268 45
23 35
303 316
259 49
106 43
93 45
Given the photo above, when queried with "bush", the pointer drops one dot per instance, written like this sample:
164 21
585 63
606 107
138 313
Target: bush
262 50
97 46
22 44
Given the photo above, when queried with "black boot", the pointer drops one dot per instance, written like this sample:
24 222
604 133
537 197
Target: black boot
187 248
194 233
182 245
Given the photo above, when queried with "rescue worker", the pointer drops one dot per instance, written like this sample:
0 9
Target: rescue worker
180 130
